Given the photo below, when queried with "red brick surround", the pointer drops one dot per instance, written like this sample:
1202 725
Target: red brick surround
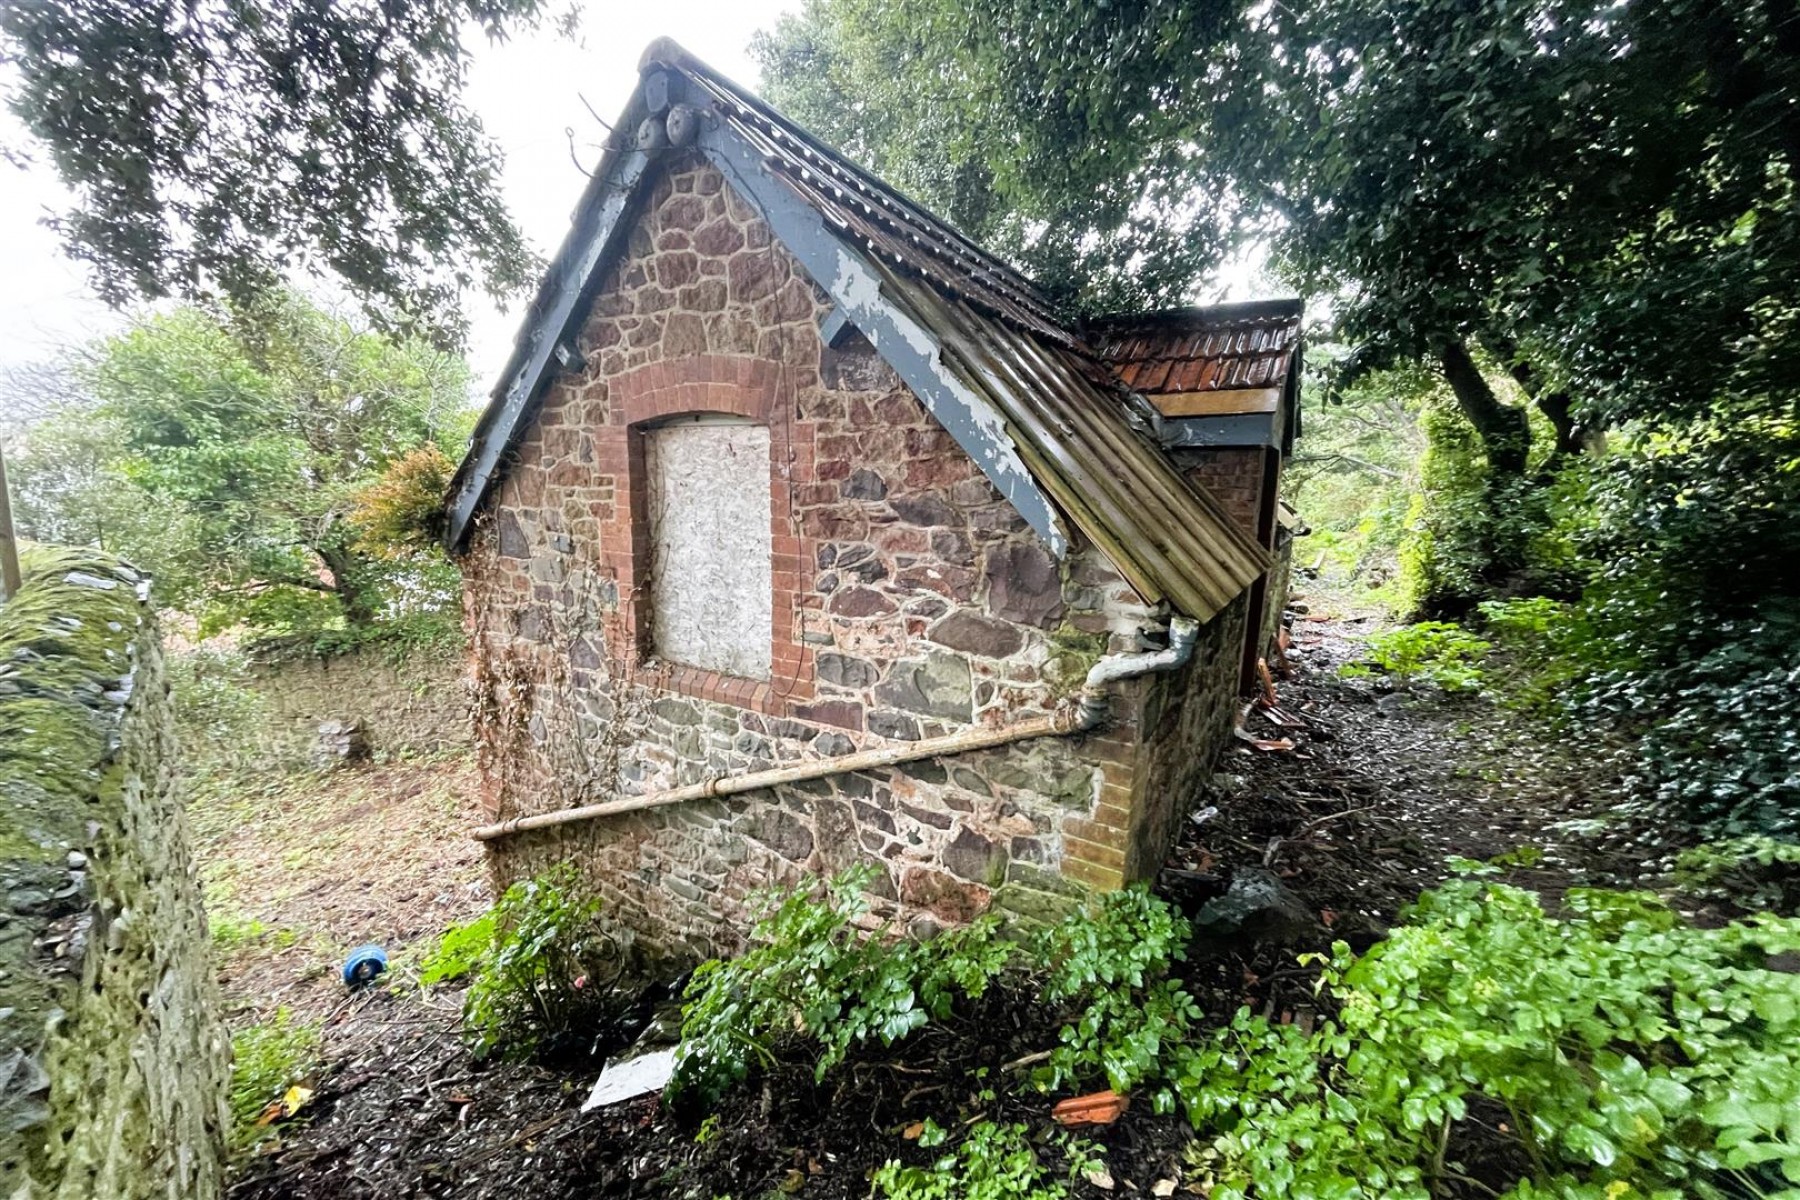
758 390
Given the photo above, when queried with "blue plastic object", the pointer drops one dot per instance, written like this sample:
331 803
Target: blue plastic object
364 964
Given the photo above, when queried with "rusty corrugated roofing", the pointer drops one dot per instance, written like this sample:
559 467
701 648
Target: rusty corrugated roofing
1166 537
1220 348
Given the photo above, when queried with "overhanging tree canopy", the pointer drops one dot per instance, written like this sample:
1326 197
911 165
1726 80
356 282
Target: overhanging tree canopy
215 148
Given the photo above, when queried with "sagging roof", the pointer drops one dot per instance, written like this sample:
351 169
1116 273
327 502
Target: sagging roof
1028 399
1224 347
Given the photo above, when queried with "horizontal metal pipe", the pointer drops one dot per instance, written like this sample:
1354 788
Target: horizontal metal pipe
1070 721
1086 714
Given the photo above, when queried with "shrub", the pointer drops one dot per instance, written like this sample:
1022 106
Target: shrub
1448 546
993 1162
1435 651
1109 968
1754 872
1696 604
814 977
400 514
1719 731
1634 1055
267 1060
535 960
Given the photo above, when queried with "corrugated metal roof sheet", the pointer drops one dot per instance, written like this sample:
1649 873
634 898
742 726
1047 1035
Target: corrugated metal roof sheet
1220 348
1166 537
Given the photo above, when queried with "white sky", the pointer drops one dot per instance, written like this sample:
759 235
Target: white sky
527 92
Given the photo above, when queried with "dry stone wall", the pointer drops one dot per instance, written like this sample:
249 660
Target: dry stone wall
113 1062
418 704
910 600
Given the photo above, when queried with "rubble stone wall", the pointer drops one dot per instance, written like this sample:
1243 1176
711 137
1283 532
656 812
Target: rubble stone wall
415 705
113 1061
910 600
1188 718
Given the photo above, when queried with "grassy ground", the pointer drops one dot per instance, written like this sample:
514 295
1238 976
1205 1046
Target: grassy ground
298 869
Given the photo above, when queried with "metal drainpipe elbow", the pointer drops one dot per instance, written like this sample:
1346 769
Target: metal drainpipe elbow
1183 633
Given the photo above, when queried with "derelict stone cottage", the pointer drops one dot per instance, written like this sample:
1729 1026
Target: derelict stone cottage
801 532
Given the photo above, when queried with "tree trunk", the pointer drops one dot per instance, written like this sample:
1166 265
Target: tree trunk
1555 405
1505 431
350 588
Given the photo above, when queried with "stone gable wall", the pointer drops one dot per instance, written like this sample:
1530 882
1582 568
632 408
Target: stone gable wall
910 600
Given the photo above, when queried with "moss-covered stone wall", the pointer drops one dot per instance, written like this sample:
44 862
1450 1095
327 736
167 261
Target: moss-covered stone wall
113 1061
412 705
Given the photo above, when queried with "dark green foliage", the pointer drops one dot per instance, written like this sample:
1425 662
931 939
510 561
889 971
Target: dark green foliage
1753 872
541 969
815 976
1634 1055
225 452
213 150
1109 968
1697 608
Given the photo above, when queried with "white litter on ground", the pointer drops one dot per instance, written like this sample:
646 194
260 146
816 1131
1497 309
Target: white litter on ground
632 1078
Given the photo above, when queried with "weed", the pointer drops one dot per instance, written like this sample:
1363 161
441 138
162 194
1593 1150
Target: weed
1634 1054
1109 966
535 959
266 1060
232 932
994 1162
1436 652
812 974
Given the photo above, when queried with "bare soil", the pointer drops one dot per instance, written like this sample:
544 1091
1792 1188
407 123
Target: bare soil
1378 788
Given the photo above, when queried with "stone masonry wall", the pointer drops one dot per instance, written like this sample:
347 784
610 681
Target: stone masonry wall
113 1062
1188 717
909 600
419 705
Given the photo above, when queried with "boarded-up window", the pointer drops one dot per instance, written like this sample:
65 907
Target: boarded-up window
709 526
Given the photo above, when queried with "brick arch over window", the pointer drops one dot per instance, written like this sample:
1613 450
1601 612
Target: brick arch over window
704 383
754 389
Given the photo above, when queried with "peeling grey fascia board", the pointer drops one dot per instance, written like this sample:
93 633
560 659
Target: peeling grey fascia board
1247 429
899 338
577 266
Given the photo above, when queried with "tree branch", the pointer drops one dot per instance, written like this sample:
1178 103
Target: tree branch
1306 459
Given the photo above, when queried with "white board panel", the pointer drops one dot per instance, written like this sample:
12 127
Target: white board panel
711 564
